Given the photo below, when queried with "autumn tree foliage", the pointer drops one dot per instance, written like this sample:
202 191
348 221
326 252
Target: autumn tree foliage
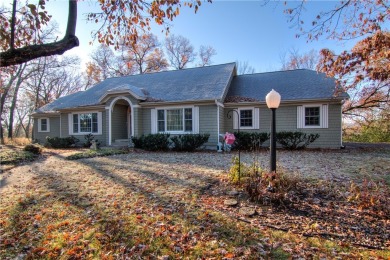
145 56
122 21
21 30
205 55
363 71
105 63
32 84
180 51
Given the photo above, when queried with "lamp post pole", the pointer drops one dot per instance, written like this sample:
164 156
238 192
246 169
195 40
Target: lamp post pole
273 100
273 141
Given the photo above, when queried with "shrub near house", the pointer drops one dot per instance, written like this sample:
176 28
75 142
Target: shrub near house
162 142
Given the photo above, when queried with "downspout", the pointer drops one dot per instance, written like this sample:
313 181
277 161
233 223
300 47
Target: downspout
219 145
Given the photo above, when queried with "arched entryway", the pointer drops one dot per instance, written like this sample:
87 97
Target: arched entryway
121 126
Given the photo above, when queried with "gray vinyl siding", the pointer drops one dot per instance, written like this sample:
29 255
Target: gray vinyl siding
101 138
146 125
286 120
208 124
119 129
40 137
137 119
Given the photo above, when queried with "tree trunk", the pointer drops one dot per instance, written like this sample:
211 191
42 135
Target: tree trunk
25 54
12 108
14 99
27 130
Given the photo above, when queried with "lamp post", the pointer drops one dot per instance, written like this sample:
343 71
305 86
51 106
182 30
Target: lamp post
273 100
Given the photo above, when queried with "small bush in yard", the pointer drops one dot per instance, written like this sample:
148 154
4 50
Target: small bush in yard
284 186
88 140
152 142
95 153
370 194
250 141
33 148
189 142
8 156
238 171
295 140
65 142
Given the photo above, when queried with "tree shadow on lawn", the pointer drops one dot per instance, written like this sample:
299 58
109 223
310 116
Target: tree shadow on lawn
94 212
104 205
314 216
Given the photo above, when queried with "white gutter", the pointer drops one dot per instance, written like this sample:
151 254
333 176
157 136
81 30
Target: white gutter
218 124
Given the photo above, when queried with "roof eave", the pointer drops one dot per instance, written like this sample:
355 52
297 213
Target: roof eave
47 114
81 108
172 103
286 102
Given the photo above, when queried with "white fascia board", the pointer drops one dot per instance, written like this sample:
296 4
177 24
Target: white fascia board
178 103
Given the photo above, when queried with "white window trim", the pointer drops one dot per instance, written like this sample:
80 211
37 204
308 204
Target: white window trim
40 125
195 120
99 118
323 116
255 118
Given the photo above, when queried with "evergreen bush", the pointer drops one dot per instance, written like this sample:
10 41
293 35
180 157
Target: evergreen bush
33 148
152 142
295 140
250 141
189 142
65 142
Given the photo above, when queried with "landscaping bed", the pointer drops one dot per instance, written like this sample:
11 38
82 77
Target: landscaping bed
172 205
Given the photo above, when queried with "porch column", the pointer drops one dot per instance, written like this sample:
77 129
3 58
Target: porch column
108 125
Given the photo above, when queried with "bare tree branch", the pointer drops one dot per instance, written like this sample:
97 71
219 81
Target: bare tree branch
24 54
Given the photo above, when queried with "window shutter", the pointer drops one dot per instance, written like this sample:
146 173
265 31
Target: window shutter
235 119
300 117
70 123
39 125
256 118
153 121
324 116
100 123
195 120
48 124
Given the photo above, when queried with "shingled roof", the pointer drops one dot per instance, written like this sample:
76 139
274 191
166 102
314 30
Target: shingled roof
196 84
205 83
293 85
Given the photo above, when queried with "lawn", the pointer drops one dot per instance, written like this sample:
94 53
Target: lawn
171 205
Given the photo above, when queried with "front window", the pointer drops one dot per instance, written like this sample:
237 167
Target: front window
161 120
188 119
246 118
44 124
175 120
85 123
312 116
